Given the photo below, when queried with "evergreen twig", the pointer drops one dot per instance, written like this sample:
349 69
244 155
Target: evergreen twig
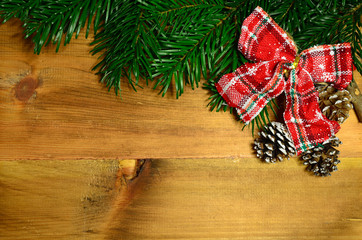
48 21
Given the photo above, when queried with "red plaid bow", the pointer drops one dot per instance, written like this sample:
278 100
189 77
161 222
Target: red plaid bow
253 85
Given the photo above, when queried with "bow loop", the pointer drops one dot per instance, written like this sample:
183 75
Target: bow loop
262 39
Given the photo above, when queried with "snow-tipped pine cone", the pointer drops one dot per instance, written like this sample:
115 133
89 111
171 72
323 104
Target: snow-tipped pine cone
274 143
323 159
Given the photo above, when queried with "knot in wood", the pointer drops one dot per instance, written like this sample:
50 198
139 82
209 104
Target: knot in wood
25 88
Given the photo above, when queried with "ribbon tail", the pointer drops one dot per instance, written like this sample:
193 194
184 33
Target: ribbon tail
303 117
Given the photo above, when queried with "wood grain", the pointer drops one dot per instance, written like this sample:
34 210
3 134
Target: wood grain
53 107
54 200
178 199
65 199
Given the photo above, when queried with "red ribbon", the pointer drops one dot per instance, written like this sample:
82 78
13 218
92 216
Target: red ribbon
253 85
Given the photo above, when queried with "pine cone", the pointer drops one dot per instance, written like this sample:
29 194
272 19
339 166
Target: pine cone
274 143
323 160
334 104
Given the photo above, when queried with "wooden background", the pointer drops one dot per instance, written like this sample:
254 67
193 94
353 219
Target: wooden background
70 162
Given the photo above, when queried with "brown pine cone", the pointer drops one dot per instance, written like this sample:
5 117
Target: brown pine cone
323 159
334 104
274 143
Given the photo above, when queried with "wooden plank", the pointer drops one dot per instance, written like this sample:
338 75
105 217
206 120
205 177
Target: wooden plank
243 199
61 199
53 200
239 198
53 107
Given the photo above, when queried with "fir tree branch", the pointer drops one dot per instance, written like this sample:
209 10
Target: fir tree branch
290 6
128 45
53 20
187 41
48 21
16 9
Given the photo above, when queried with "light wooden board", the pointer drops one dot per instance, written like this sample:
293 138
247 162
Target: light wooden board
53 107
178 199
54 200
